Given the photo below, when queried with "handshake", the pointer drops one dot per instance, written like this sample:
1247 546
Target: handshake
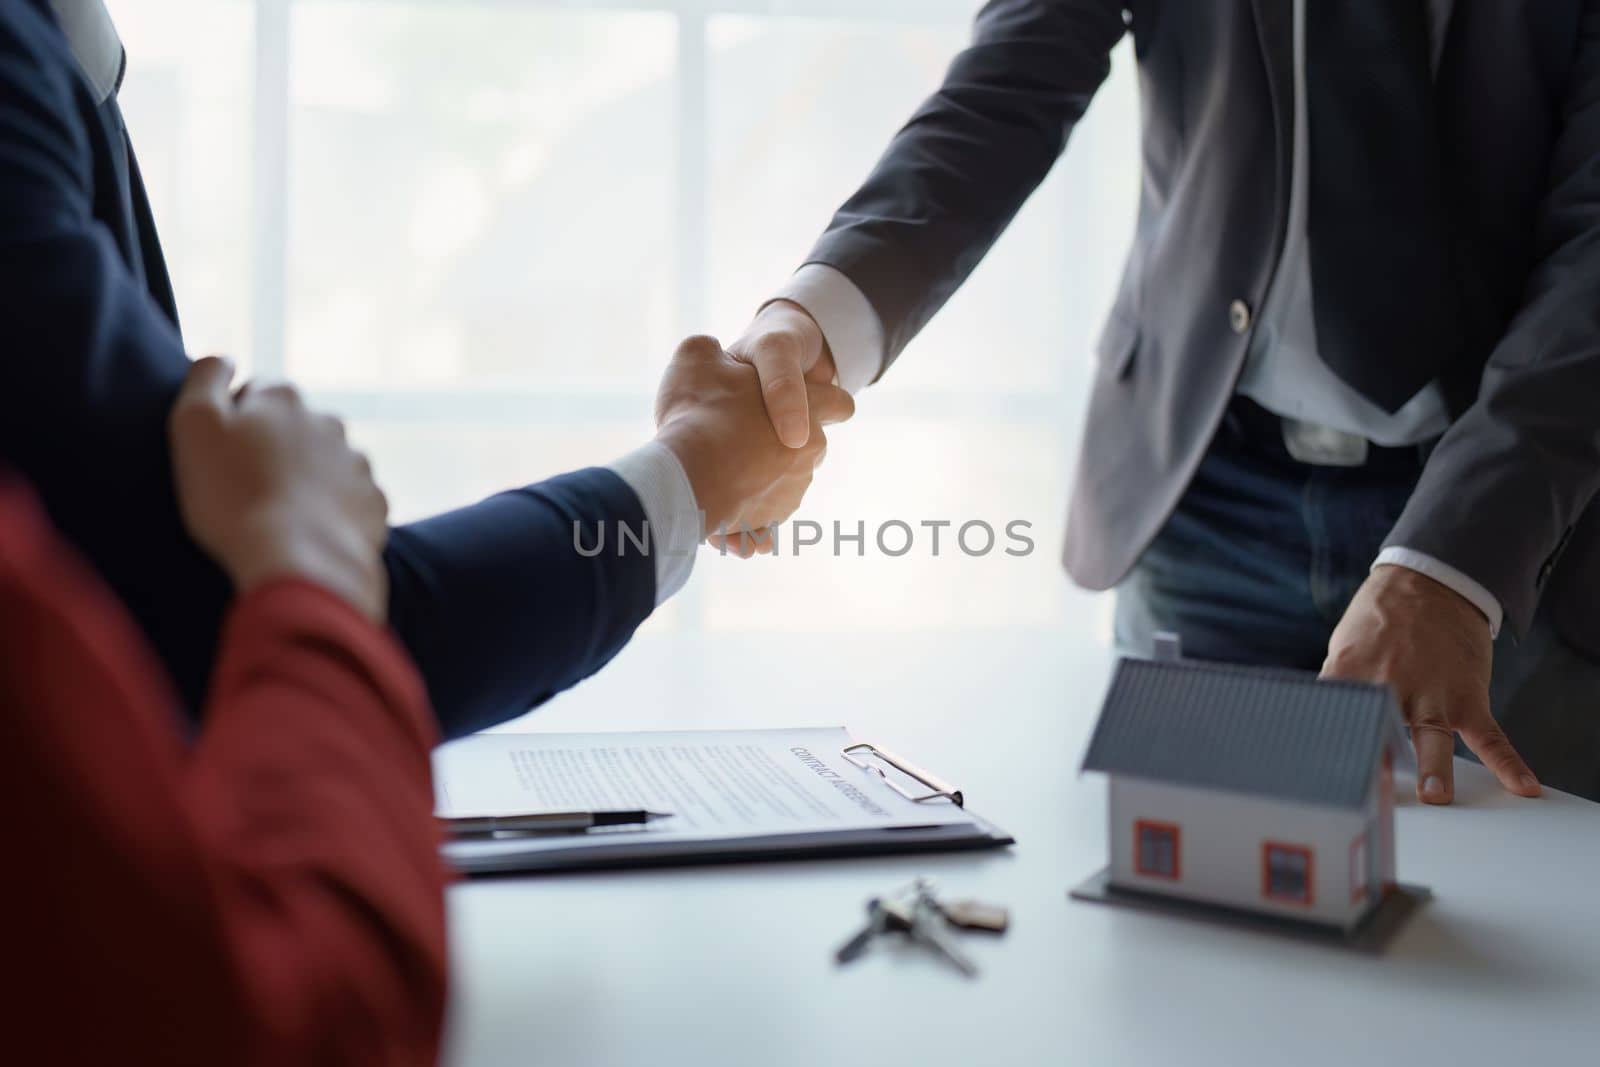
746 423
268 487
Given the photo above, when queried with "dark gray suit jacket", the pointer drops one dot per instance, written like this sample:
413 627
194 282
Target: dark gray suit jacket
1519 97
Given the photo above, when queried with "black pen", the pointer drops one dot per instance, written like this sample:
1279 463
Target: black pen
547 821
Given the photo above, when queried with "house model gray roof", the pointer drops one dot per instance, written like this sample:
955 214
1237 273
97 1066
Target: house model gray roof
1265 732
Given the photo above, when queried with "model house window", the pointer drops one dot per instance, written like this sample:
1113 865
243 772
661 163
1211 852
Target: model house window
1156 849
1286 873
1358 868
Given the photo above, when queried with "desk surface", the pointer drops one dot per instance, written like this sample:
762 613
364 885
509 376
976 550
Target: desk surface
733 965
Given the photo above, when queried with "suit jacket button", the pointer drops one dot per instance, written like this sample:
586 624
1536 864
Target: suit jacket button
1239 316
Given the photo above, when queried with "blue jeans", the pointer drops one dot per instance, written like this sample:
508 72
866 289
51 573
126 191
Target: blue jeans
1263 553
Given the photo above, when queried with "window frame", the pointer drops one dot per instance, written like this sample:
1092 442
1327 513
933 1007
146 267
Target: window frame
1309 898
273 79
1170 829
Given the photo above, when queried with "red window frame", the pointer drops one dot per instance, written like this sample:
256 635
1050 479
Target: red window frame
1358 863
1267 848
1171 829
1385 848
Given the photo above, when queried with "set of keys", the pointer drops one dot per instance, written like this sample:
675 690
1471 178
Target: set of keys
917 912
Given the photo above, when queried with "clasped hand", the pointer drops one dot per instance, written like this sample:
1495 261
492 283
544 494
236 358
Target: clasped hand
270 489
710 413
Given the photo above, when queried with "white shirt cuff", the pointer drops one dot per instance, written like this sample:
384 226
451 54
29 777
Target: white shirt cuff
1448 577
676 528
848 322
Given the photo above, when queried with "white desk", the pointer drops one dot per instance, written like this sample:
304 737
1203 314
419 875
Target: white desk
733 965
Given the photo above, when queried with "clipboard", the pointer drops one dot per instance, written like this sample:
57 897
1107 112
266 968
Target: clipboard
750 795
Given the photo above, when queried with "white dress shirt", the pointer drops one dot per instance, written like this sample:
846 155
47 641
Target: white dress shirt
1283 372
659 481
1326 421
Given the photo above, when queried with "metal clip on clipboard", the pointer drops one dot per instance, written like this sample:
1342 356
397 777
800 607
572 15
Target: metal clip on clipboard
941 790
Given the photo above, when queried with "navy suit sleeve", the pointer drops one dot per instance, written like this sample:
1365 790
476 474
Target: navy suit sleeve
493 600
500 608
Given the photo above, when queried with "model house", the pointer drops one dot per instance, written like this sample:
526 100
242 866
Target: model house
1262 790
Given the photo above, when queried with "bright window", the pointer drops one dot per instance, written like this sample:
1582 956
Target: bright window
1158 849
1286 873
477 229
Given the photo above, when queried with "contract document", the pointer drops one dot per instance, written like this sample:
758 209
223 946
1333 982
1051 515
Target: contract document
733 795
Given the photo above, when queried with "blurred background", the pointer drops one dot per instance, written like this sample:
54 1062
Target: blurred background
477 229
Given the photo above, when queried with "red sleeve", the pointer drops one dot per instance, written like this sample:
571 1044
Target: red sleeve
272 895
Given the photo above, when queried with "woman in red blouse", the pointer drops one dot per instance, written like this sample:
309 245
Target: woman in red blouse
270 893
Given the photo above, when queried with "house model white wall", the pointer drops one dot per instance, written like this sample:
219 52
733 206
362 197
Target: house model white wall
1263 790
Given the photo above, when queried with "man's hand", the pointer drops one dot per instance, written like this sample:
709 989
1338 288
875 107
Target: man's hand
1432 646
786 347
269 488
709 414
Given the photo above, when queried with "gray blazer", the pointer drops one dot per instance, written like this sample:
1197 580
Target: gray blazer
1519 98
